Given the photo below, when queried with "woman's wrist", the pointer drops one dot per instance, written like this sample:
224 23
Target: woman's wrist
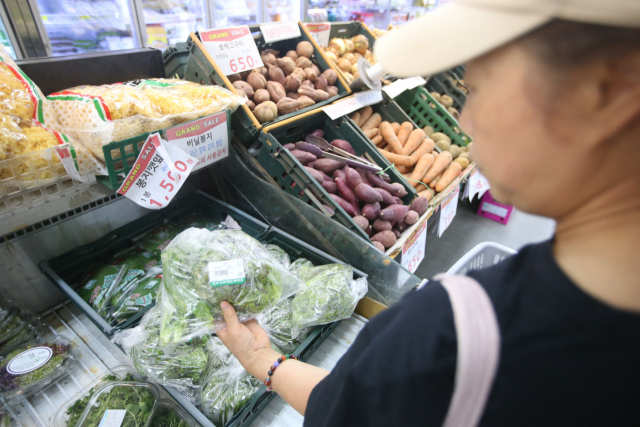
261 361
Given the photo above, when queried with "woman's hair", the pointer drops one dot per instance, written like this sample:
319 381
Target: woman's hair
563 44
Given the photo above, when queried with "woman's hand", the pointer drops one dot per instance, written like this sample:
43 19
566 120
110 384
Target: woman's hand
248 342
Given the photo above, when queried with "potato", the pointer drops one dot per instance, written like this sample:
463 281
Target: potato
266 111
245 87
439 136
454 113
446 100
331 76
462 161
344 65
261 95
292 54
251 104
428 130
435 96
387 238
455 151
443 145
304 48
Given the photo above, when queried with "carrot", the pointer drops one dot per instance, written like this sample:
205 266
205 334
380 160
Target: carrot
406 175
425 147
356 117
387 148
434 182
439 165
426 193
403 133
403 169
396 127
365 114
415 140
389 135
372 122
421 169
399 160
448 176
370 133
377 140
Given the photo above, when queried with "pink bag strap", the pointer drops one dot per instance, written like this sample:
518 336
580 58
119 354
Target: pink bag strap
478 336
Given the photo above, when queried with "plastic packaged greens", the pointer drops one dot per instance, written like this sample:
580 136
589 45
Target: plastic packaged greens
19 326
203 268
279 254
26 332
182 366
32 366
300 266
159 239
276 322
5 415
132 404
69 414
169 414
138 295
329 294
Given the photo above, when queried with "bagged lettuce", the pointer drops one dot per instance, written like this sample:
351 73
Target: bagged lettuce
139 294
276 322
203 268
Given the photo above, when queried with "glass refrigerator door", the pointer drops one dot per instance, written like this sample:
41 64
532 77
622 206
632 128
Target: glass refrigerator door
374 13
403 11
84 26
280 10
6 39
169 22
230 13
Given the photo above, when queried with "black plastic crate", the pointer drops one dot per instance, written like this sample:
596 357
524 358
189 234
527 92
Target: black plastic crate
441 84
175 60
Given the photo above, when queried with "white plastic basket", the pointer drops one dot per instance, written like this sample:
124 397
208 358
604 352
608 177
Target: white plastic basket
483 255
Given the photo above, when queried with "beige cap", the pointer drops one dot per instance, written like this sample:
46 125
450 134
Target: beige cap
465 29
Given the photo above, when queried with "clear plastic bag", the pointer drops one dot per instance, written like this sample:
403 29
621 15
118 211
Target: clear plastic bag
329 294
160 238
170 414
178 365
277 324
32 366
203 268
18 325
136 296
300 265
279 254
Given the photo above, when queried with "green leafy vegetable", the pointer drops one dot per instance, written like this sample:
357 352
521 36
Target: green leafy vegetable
139 294
166 416
276 322
137 399
159 239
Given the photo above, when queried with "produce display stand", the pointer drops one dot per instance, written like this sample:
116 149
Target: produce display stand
346 30
201 68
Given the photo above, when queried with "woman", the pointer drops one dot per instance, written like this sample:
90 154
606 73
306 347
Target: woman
554 110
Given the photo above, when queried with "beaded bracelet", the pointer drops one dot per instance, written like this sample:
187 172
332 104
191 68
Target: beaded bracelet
277 363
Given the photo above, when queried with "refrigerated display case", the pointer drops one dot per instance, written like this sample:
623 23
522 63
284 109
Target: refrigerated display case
167 22
280 10
374 13
403 11
229 13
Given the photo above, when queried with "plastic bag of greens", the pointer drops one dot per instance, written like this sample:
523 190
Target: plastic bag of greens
160 238
203 268
330 294
178 365
277 324
300 266
170 414
279 254
138 295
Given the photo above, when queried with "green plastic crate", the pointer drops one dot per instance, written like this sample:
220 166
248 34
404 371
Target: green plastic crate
426 111
175 60
441 84
245 125
346 30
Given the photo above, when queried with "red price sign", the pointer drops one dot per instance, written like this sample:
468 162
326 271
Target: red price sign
280 31
413 250
320 31
233 49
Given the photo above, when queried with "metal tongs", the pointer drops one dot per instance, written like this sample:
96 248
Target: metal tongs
331 152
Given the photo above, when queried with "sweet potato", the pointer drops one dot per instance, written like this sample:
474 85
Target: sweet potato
309 148
398 201
318 132
338 173
371 211
403 134
346 192
394 212
376 180
381 225
396 127
330 187
365 114
348 207
420 205
366 193
396 189
361 221
421 169
411 217
387 198
311 165
439 165
371 133
448 176
325 176
328 165
372 122
387 238
343 145
304 157
290 146
379 246
414 140
401 226
352 177
389 135
369 232
316 174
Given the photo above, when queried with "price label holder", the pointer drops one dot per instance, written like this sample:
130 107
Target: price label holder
320 32
276 31
413 250
448 210
158 173
477 184
399 86
233 49
358 101
205 139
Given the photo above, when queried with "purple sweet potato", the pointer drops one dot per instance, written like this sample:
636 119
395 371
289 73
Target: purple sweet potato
343 145
330 187
309 148
361 221
328 165
381 225
420 205
352 177
348 207
376 181
363 176
387 238
411 217
371 211
303 157
338 173
318 132
378 246
290 146
325 176
387 198
311 165
396 232
346 192
369 231
402 226
316 174
366 193
398 190
394 212
398 201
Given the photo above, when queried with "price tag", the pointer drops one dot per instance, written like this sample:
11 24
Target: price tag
158 173
413 250
67 159
448 210
414 81
206 139
399 86
477 184
359 100
320 32
233 49
223 273
280 31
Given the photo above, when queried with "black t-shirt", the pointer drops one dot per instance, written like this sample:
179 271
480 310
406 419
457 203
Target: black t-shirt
566 359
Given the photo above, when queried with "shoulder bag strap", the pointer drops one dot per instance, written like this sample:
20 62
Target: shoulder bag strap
478 336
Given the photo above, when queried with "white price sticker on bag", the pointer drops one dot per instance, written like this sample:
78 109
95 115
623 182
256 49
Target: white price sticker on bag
448 210
223 273
359 100
320 32
413 250
280 31
233 49
206 139
477 184
158 173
